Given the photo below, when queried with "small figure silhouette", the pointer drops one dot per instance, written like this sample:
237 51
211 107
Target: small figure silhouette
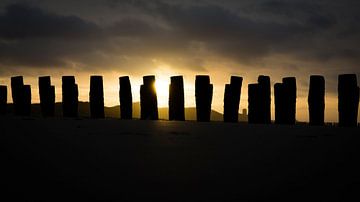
203 97
125 98
3 100
148 99
348 96
96 97
69 96
316 100
232 99
176 99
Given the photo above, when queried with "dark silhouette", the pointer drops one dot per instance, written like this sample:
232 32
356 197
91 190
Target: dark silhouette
232 99
47 96
96 97
3 99
27 100
285 101
316 100
176 99
148 99
259 101
17 91
265 96
254 101
279 103
69 96
348 104
203 97
125 98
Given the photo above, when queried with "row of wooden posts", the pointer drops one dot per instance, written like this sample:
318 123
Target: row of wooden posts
259 98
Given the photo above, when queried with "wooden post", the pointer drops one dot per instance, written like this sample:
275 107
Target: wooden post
125 98
232 99
176 99
316 100
17 91
148 99
279 104
3 100
265 97
348 104
289 89
253 103
47 102
96 97
70 96
203 97
27 100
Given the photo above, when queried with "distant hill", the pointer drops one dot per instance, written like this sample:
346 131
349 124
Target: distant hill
114 112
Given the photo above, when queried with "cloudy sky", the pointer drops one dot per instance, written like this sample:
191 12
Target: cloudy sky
138 37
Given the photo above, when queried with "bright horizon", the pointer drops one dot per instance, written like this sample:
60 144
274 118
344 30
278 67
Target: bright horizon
111 93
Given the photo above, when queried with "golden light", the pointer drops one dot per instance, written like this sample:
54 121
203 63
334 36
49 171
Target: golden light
162 91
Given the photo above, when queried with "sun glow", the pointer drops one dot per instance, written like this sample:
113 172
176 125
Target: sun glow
162 91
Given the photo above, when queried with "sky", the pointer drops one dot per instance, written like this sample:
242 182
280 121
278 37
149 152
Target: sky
246 38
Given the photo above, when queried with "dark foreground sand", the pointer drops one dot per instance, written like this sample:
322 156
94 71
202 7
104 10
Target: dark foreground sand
54 159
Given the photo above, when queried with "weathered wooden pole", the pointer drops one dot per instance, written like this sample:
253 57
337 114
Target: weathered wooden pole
316 100
289 88
27 100
47 102
259 99
279 104
232 99
254 100
69 96
265 97
176 99
285 101
17 91
96 97
125 98
348 100
203 97
148 99
3 100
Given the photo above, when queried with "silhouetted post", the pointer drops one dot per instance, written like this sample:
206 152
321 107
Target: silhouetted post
52 101
27 100
265 97
316 100
254 103
348 104
96 97
232 99
70 96
289 89
17 91
3 100
45 91
203 97
279 104
125 98
148 99
176 99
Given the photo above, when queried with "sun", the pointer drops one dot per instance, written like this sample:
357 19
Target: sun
162 91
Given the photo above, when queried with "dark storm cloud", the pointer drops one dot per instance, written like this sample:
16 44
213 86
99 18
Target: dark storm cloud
245 32
20 21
